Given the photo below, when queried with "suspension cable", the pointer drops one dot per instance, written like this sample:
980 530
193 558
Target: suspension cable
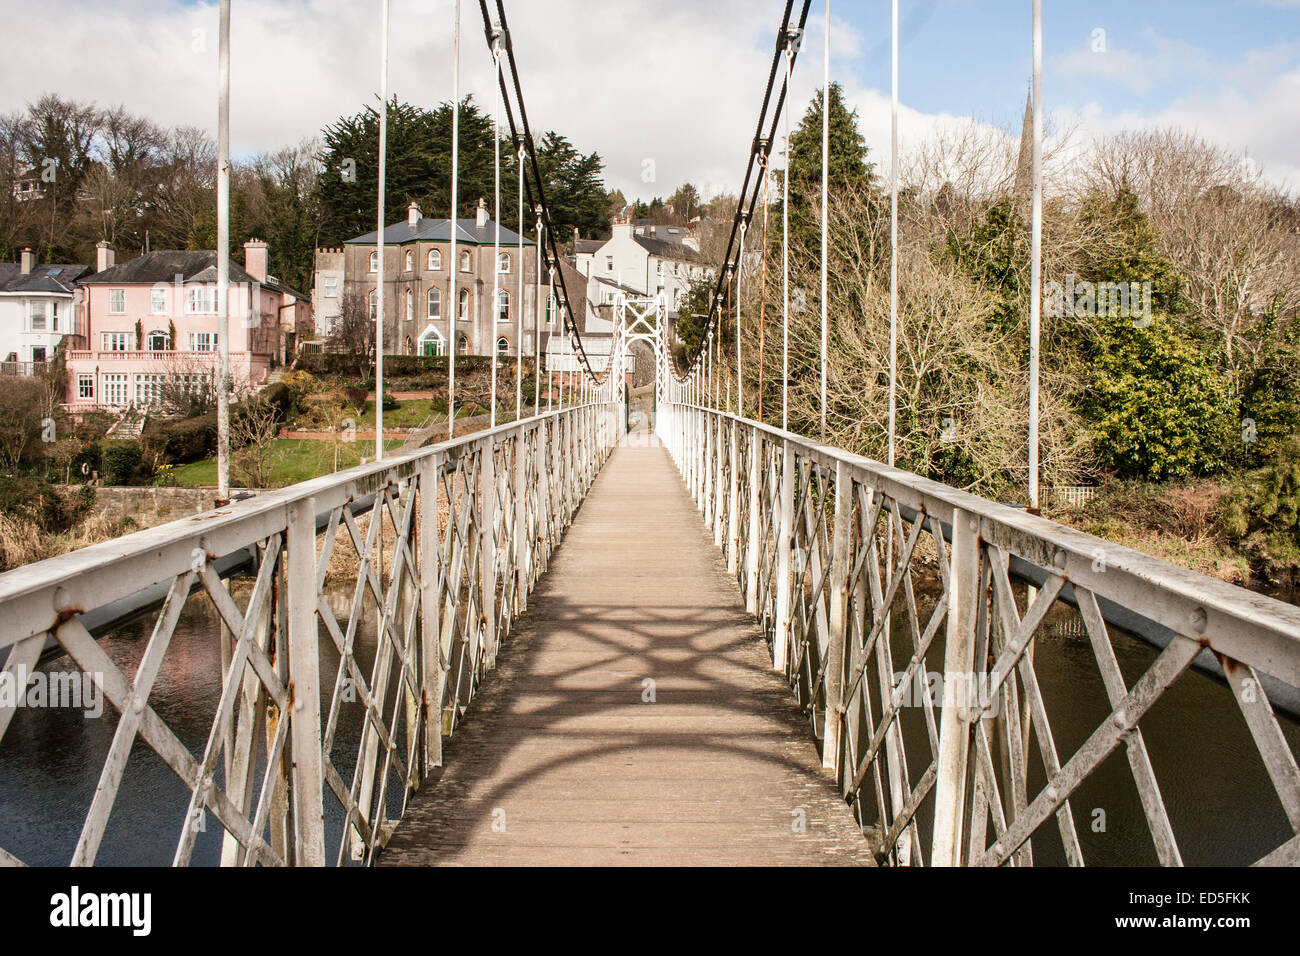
787 34
519 305
826 169
785 249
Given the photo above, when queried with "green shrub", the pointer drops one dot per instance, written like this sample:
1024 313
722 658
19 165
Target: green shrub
1262 512
53 510
122 461
1159 408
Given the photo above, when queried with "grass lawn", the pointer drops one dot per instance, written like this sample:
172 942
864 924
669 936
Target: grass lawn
295 459
410 413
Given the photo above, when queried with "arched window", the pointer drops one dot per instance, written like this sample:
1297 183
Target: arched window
435 258
550 309
466 263
374 304
463 311
410 306
503 346
503 263
410 261
406 346
503 305
435 303
374 262
462 345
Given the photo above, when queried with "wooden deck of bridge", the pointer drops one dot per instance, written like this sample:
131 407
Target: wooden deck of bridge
562 760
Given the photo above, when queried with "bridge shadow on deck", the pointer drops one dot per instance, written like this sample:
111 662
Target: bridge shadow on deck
564 759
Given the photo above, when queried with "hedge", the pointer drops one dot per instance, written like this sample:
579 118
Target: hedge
397 366
193 439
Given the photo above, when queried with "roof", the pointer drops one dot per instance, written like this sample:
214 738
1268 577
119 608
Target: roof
439 230
587 246
667 249
55 279
163 265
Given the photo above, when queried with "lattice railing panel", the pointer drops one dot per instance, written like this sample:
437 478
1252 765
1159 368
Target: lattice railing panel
357 614
915 622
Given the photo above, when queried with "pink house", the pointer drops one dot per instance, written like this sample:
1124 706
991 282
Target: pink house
155 317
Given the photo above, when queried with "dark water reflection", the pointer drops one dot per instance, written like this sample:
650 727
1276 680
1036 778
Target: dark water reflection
1220 801
51 758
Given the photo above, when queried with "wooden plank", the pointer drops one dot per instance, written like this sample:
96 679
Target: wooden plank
633 717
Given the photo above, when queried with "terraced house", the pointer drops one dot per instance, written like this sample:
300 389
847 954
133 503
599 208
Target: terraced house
39 308
424 289
155 318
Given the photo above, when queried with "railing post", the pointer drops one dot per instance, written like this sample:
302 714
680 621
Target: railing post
785 529
958 662
754 547
839 583
719 503
520 549
733 500
487 552
433 677
304 676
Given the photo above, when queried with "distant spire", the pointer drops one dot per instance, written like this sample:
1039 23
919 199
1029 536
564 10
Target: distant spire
1022 190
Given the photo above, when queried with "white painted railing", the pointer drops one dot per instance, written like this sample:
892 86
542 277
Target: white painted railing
828 548
456 537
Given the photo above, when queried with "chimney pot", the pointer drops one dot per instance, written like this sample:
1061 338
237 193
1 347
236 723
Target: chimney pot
105 255
27 260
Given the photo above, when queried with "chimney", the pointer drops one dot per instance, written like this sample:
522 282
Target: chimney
575 235
621 228
105 256
28 260
255 259
413 215
480 214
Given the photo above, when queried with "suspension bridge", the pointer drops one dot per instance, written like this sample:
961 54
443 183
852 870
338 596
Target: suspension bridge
708 639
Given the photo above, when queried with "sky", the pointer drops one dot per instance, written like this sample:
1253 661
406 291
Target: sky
668 91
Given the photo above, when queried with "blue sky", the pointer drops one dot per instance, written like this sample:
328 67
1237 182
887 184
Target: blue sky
678 81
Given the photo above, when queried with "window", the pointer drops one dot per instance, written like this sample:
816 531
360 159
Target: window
503 263
201 300
38 354
462 345
374 304
463 313
86 388
435 259
203 341
609 263
158 300
503 346
551 307
409 262
435 303
115 389
331 287
503 306
148 388
36 314
115 341
374 262
54 316
410 305
466 263
159 341
116 301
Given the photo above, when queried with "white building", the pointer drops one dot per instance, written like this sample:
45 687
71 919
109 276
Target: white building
39 305
641 259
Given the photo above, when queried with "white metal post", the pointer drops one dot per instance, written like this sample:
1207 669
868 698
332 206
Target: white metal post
379 235
223 251
826 166
452 266
307 774
1036 255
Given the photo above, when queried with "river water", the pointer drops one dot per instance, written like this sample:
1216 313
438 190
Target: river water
1221 804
